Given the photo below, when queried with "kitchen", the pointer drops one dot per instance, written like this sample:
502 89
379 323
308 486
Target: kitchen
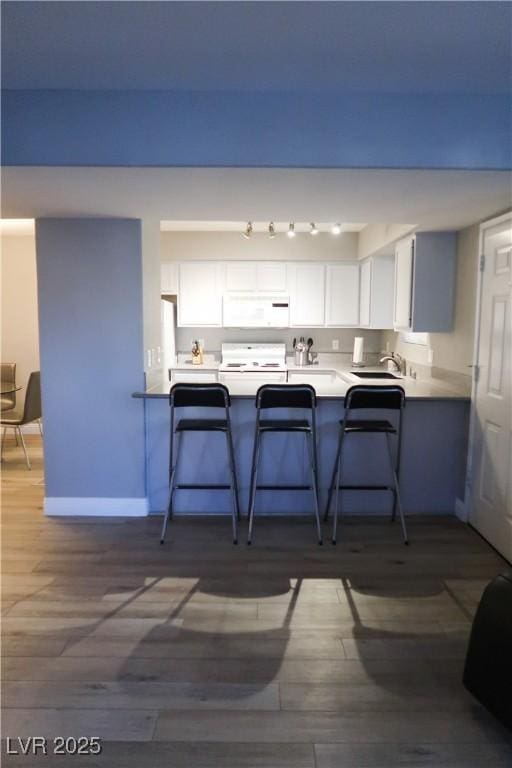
174 162
309 310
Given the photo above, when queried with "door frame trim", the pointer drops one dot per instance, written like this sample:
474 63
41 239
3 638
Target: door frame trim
468 498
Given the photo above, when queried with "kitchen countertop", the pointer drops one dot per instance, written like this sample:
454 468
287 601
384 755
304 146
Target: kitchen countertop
340 381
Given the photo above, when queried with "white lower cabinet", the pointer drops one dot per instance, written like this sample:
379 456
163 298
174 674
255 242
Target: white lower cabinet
201 285
342 295
307 295
193 377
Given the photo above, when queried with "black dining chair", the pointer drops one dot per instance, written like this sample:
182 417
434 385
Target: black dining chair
390 399
202 396
297 397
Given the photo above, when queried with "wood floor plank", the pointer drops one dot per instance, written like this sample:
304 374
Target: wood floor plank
140 695
183 755
371 727
108 725
414 755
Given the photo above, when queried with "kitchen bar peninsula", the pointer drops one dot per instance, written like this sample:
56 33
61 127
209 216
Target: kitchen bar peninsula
434 446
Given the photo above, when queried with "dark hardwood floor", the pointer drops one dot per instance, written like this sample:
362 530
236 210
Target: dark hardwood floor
201 654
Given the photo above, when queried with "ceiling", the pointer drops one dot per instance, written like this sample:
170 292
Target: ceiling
407 47
425 198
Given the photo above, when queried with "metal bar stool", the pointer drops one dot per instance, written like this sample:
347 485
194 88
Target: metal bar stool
302 397
389 398
200 396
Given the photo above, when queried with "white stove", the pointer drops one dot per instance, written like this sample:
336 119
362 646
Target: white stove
256 360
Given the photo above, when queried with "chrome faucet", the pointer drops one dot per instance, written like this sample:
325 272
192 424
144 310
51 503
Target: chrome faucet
399 362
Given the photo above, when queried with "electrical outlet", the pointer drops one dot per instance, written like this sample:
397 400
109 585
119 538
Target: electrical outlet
148 358
387 347
335 344
430 355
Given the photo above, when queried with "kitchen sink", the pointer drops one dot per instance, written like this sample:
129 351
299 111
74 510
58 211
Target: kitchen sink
375 375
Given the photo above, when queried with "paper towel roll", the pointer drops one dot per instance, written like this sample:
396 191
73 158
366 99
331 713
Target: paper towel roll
358 354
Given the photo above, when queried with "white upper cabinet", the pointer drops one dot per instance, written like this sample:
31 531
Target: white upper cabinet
376 295
201 284
169 277
342 295
307 294
425 268
263 276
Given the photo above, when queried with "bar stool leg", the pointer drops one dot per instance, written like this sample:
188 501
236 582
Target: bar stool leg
29 465
253 469
397 491
333 478
337 488
233 472
234 489
312 463
169 513
254 479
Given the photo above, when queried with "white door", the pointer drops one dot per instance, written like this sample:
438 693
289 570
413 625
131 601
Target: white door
342 295
307 295
490 472
404 265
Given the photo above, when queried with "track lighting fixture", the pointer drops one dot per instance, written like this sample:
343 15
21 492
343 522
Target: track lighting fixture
336 229
271 230
314 228
248 230
291 230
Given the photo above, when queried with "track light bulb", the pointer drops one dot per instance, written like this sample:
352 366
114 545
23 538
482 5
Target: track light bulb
271 230
248 230
314 228
291 230
336 229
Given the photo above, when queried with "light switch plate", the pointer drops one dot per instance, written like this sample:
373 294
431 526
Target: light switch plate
430 355
335 344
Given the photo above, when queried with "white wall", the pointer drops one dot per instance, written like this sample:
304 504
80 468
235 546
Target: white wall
151 294
226 246
20 334
452 351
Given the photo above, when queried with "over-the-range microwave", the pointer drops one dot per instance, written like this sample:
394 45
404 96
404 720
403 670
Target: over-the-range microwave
255 310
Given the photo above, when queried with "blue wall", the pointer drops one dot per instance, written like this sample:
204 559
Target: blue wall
90 325
164 128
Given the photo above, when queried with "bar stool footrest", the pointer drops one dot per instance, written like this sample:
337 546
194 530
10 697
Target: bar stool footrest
365 487
205 487
284 487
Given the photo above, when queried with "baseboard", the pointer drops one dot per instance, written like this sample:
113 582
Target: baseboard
460 510
78 506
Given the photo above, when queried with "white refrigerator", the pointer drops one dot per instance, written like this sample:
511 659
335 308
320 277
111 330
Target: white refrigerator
168 323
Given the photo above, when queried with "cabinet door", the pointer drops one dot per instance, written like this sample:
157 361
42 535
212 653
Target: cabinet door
307 295
241 276
365 294
169 277
404 266
200 294
342 288
272 277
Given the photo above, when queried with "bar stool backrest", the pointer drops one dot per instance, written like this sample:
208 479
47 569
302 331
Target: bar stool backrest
390 398
199 396
286 396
